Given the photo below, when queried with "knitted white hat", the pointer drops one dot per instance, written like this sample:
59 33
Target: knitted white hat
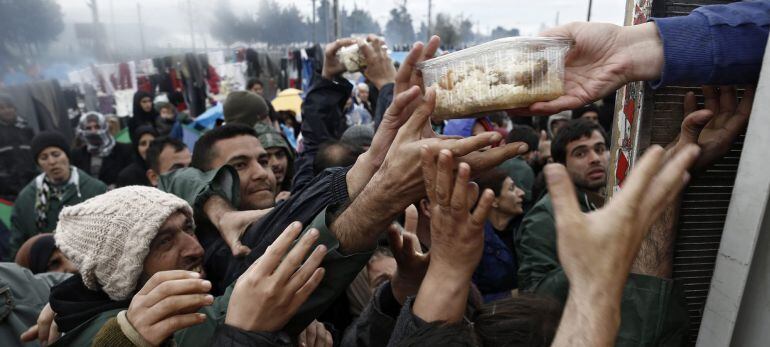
108 236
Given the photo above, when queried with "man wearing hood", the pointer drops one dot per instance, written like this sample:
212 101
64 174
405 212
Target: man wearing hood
101 156
16 164
281 158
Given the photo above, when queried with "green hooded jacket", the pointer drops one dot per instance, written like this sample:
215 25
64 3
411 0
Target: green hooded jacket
341 269
23 219
653 311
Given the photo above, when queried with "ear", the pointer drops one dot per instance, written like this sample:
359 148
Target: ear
152 176
496 203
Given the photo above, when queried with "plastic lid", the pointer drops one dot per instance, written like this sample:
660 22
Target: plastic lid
496 45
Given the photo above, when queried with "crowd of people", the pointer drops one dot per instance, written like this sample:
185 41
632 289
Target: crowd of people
375 225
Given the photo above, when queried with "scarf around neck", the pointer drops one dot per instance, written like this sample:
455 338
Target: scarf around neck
48 191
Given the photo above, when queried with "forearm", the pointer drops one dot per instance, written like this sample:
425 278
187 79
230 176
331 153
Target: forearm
442 297
656 254
360 225
591 318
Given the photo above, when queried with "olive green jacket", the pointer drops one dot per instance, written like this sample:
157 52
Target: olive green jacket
340 271
23 219
653 312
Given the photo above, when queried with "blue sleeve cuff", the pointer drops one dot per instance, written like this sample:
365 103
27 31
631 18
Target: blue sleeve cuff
688 50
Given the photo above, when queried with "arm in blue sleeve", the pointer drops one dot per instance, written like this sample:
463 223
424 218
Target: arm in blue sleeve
717 44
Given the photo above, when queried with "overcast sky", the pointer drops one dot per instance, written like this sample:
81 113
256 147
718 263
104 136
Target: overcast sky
527 15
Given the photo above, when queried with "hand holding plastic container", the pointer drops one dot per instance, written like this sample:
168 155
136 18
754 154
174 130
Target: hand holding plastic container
498 75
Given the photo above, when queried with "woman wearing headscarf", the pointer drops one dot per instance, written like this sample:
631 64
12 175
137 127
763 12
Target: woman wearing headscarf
101 156
144 113
37 208
136 173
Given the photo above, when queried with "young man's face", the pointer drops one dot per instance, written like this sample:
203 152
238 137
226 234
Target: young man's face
510 199
278 162
175 247
587 161
246 155
7 113
169 160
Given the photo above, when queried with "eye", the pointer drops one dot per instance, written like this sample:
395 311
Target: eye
239 165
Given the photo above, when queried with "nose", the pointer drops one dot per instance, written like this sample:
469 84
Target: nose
192 249
594 157
258 173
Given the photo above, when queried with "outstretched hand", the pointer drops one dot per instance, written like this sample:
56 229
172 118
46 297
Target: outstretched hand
715 127
272 289
597 249
332 65
604 58
411 262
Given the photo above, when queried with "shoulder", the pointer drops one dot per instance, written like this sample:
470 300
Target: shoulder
27 193
88 181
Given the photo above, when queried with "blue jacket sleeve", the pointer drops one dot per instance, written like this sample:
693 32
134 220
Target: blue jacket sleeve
717 44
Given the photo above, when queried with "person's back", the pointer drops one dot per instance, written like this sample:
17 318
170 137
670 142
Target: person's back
16 164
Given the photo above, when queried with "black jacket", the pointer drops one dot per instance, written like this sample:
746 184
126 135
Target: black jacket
17 167
119 159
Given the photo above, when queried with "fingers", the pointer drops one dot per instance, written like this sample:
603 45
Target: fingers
165 276
175 323
564 102
421 115
429 170
395 116
444 178
172 288
173 304
670 181
459 202
404 74
302 338
473 193
693 124
411 243
479 216
563 196
307 269
304 292
311 333
710 99
44 322
267 263
294 259
332 48
239 250
395 240
727 100
638 182
689 104
30 334
430 50
543 136
410 219
744 107
467 145
480 161
368 51
53 333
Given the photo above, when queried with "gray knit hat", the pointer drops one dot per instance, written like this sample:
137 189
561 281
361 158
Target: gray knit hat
244 107
108 236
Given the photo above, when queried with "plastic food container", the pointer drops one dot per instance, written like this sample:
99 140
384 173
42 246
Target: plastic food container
498 75
352 58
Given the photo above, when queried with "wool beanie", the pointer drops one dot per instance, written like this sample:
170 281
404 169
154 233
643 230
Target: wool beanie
47 139
359 135
245 108
35 253
108 236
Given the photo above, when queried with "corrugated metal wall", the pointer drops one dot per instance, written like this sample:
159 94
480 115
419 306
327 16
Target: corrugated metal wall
705 202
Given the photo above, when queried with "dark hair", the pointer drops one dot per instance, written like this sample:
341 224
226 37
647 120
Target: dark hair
579 112
157 146
439 334
334 154
526 134
204 153
575 129
252 82
525 320
491 179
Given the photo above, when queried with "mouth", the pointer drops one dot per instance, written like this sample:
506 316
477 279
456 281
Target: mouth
197 268
259 190
596 174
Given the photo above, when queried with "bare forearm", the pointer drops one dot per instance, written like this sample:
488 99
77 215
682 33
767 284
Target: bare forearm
442 298
359 175
656 254
360 225
589 319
